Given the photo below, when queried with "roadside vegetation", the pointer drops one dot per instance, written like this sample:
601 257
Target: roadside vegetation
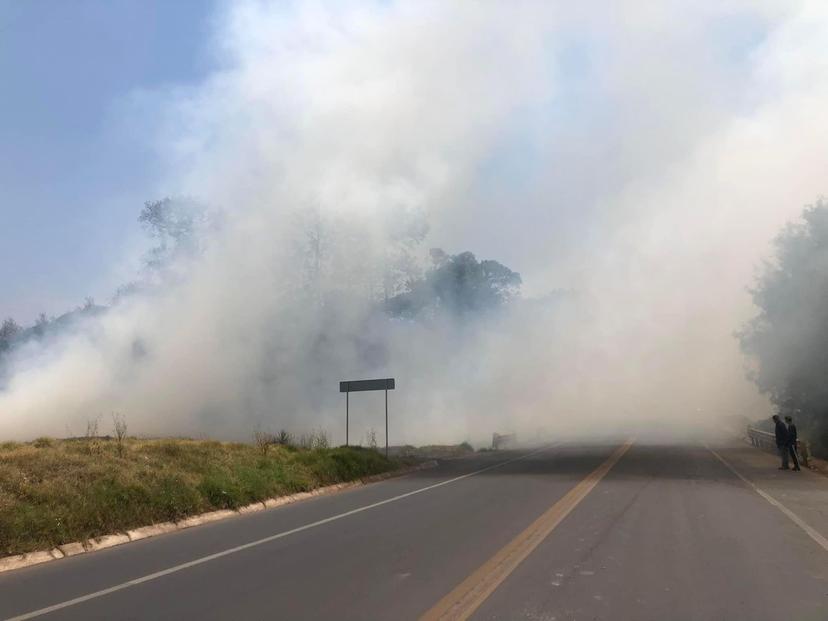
786 341
434 451
58 491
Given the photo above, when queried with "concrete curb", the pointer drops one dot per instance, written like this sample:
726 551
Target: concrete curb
107 541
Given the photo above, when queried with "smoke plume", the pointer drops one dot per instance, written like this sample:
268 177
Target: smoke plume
631 163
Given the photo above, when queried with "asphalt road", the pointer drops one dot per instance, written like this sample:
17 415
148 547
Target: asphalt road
662 532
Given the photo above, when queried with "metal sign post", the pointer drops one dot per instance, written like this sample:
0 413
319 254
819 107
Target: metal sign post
386 422
360 386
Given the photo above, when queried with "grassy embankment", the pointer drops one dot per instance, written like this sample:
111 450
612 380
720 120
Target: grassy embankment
58 491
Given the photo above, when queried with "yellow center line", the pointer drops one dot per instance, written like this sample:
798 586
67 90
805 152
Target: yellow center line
467 597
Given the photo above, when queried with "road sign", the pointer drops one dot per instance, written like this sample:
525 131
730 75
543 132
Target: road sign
385 384
372 384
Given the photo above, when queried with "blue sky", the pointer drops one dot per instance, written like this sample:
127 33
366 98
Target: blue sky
72 178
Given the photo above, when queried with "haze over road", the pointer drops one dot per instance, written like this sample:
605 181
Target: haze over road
571 531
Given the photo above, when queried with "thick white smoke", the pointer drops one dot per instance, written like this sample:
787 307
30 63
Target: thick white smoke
638 158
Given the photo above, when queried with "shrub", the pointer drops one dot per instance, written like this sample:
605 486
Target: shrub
92 428
221 491
316 439
284 438
263 440
174 499
120 428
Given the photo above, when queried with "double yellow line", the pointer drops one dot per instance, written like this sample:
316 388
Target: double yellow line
467 597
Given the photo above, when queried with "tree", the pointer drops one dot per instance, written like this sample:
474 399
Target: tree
787 341
457 284
406 230
41 323
363 255
177 226
8 331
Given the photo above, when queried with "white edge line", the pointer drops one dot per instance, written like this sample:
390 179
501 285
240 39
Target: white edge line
258 542
811 532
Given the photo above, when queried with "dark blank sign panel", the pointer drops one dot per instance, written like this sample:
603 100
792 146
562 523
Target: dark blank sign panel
372 384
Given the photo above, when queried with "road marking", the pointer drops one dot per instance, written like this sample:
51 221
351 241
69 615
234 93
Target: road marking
204 559
467 597
813 534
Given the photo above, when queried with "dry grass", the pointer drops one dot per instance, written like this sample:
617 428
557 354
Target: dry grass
57 491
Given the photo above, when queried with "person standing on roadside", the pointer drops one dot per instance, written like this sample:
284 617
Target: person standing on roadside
781 432
792 437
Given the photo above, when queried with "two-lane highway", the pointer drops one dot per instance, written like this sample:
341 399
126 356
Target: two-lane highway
566 532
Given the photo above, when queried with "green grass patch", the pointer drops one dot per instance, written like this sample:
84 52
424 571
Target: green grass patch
59 491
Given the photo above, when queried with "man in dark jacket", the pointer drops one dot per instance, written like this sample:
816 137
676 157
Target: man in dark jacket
781 432
792 442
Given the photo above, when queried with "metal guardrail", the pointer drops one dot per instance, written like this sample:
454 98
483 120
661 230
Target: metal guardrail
767 442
